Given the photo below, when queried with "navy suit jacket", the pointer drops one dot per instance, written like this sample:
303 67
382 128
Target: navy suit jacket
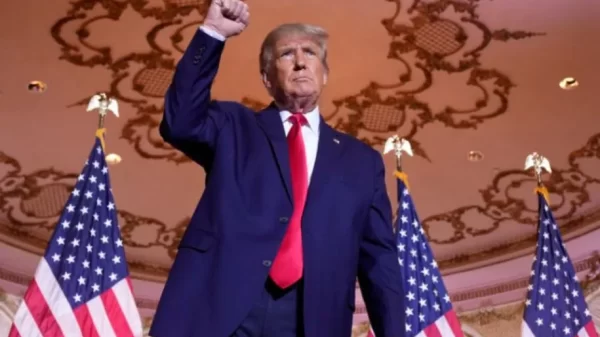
226 252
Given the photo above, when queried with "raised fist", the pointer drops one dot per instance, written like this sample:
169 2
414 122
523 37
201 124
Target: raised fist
227 17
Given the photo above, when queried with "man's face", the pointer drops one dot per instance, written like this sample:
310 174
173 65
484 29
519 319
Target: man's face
297 72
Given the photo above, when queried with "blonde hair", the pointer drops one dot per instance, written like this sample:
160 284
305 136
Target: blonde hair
318 34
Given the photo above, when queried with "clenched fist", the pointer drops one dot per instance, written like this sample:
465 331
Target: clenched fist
227 17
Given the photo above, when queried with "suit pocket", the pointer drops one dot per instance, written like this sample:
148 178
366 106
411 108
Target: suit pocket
198 239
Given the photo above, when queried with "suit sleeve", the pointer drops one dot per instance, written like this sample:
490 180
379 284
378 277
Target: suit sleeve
378 271
192 121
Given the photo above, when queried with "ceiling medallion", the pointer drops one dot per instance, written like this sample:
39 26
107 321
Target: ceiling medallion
437 38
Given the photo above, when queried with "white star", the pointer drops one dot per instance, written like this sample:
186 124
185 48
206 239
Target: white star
81 280
76 192
116 259
65 224
112 276
86 264
96 164
70 208
111 206
95 288
77 298
56 257
410 296
75 243
104 239
71 259
101 187
102 255
66 276
119 243
60 240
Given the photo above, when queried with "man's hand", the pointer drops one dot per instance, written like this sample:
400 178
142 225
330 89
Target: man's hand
227 17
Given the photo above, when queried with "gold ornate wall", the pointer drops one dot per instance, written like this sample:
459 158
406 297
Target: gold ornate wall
489 321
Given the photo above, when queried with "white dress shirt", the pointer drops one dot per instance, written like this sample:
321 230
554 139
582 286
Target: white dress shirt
310 135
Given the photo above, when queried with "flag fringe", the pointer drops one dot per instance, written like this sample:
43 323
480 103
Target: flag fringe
402 176
544 192
100 134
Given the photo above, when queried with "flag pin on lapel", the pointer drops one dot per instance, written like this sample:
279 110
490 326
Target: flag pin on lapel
335 140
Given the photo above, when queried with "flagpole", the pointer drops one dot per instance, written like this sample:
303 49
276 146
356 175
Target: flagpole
539 164
103 103
399 146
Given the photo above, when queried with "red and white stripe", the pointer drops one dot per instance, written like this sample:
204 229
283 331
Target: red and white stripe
45 311
445 326
587 330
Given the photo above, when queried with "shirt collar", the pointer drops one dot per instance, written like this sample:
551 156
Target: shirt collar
312 117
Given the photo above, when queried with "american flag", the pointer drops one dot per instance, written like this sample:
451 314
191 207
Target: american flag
81 286
555 304
429 311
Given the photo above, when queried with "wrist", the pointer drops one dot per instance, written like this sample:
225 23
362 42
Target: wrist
213 31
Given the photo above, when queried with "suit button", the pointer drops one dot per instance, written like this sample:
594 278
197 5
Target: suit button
284 219
267 263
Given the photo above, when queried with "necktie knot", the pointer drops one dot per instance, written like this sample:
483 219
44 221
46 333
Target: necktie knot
298 118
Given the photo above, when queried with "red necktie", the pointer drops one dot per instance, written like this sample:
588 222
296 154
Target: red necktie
288 265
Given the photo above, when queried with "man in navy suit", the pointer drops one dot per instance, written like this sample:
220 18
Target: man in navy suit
292 212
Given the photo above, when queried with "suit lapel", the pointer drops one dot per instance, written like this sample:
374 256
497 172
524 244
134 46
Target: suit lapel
327 163
328 151
270 121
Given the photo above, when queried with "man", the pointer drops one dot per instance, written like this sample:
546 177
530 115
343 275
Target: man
292 212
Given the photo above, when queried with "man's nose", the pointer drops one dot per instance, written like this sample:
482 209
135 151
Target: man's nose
299 60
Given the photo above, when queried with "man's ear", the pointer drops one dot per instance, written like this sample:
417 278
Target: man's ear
265 80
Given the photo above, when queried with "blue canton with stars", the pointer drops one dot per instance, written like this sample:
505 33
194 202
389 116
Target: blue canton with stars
86 252
426 296
555 303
